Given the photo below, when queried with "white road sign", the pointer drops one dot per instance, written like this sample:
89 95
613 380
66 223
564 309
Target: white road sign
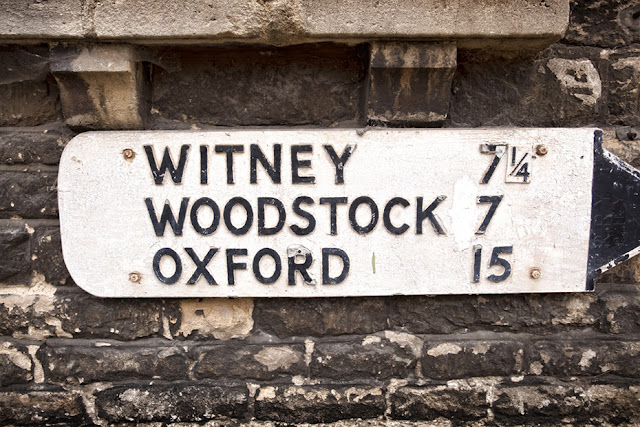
310 213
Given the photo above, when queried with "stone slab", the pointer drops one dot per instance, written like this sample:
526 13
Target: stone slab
281 22
111 206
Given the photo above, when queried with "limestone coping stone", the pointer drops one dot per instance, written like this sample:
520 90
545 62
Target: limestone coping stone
495 24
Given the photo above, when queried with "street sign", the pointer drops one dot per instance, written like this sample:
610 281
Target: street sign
311 213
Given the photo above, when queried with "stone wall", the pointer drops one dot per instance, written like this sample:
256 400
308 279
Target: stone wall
69 358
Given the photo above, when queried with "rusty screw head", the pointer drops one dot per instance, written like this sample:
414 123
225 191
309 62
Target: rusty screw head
134 277
535 273
128 153
541 150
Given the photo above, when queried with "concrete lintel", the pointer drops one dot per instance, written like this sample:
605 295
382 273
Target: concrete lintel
410 83
476 24
101 87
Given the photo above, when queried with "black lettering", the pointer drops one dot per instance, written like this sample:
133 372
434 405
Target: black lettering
272 170
233 266
300 163
428 214
167 164
156 266
167 216
326 278
333 202
227 216
374 214
302 268
282 215
311 221
340 161
204 167
195 222
256 266
386 215
229 149
495 201
201 266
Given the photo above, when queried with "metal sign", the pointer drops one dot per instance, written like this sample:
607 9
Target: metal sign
310 213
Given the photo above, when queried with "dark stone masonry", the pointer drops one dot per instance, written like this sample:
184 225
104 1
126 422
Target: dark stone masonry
68 358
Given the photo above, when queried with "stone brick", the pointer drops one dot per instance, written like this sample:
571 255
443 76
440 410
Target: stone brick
101 87
175 402
318 404
319 316
42 144
71 312
15 364
476 358
542 313
459 402
577 402
29 193
79 361
623 83
29 103
612 23
244 361
361 357
14 247
560 87
41 407
410 83
618 308
310 84
46 253
583 356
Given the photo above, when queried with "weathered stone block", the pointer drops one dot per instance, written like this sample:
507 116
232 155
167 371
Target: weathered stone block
618 308
71 312
488 24
46 254
611 24
28 193
173 402
15 364
101 87
249 361
318 404
410 83
558 88
366 357
43 144
42 407
223 319
596 356
14 247
542 313
29 102
459 401
285 317
311 84
29 93
84 362
578 402
463 359
624 84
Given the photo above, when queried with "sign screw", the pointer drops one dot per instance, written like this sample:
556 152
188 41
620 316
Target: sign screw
541 150
535 273
128 153
134 277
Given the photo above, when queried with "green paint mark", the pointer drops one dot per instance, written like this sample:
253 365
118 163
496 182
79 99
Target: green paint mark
373 262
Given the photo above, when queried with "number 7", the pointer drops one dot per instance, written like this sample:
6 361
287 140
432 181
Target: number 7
498 150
